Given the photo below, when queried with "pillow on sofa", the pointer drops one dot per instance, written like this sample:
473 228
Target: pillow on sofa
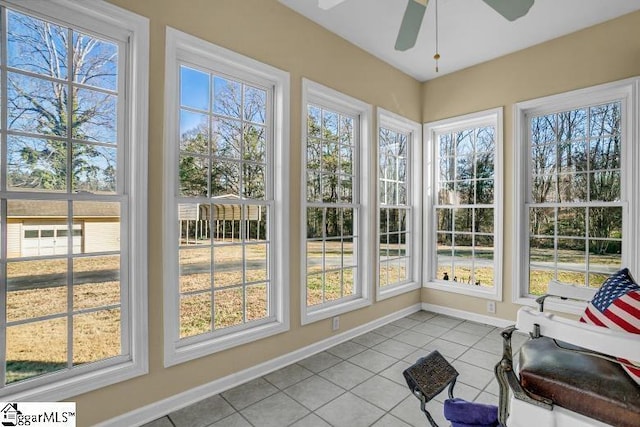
616 305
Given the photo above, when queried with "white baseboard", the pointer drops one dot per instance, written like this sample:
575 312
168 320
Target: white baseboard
163 407
467 315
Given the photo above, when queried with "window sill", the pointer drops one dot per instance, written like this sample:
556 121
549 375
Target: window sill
77 384
464 289
392 291
315 314
180 353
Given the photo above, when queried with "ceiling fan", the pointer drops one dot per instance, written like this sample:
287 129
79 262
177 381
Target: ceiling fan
413 14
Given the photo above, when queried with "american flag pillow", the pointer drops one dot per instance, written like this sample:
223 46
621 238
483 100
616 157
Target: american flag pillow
616 305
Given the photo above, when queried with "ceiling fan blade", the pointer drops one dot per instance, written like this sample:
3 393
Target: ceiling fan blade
510 9
328 4
410 26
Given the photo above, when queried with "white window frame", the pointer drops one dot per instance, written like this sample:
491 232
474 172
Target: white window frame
184 47
101 18
363 185
413 130
628 93
491 117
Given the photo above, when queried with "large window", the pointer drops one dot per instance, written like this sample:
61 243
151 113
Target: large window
225 142
577 188
399 222
72 198
464 210
335 160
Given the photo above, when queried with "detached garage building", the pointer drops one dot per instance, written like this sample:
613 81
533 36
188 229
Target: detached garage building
37 228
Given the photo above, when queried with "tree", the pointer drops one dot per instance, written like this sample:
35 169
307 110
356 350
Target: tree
52 103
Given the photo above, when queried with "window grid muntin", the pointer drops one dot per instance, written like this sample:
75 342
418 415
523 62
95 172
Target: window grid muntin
403 208
352 143
266 201
70 197
587 272
447 202
212 116
70 83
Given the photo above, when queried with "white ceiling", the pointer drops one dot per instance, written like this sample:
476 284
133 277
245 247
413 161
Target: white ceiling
470 32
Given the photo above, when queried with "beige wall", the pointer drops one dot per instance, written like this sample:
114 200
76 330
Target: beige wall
600 54
269 32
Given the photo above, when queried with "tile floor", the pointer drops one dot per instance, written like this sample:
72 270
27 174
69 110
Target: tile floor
359 382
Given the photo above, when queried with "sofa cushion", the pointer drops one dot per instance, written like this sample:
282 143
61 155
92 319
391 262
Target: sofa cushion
583 383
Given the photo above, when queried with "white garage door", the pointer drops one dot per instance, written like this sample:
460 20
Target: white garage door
49 239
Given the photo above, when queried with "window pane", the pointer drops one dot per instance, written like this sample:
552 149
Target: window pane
543 158
32 216
36 288
194 175
94 168
314 154
255 101
257 302
194 89
314 187
543 189
256 266
228 268
227 138
227 219
229 308
95 116
256 216
485 140
329 183
95 61
572 221
571 256
100 222
27 50
195 314
103 323
254 181
346 130
225 179
543 129
604 186
445 219
605 119
604 153
194 132
330 125
572 125
227 97
572 188
484 220
314 123
195 269
30 101
36 164
463 219
35 349
96 282
255 144
464 144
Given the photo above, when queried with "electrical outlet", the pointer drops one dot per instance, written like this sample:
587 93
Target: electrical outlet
491 307
335 323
